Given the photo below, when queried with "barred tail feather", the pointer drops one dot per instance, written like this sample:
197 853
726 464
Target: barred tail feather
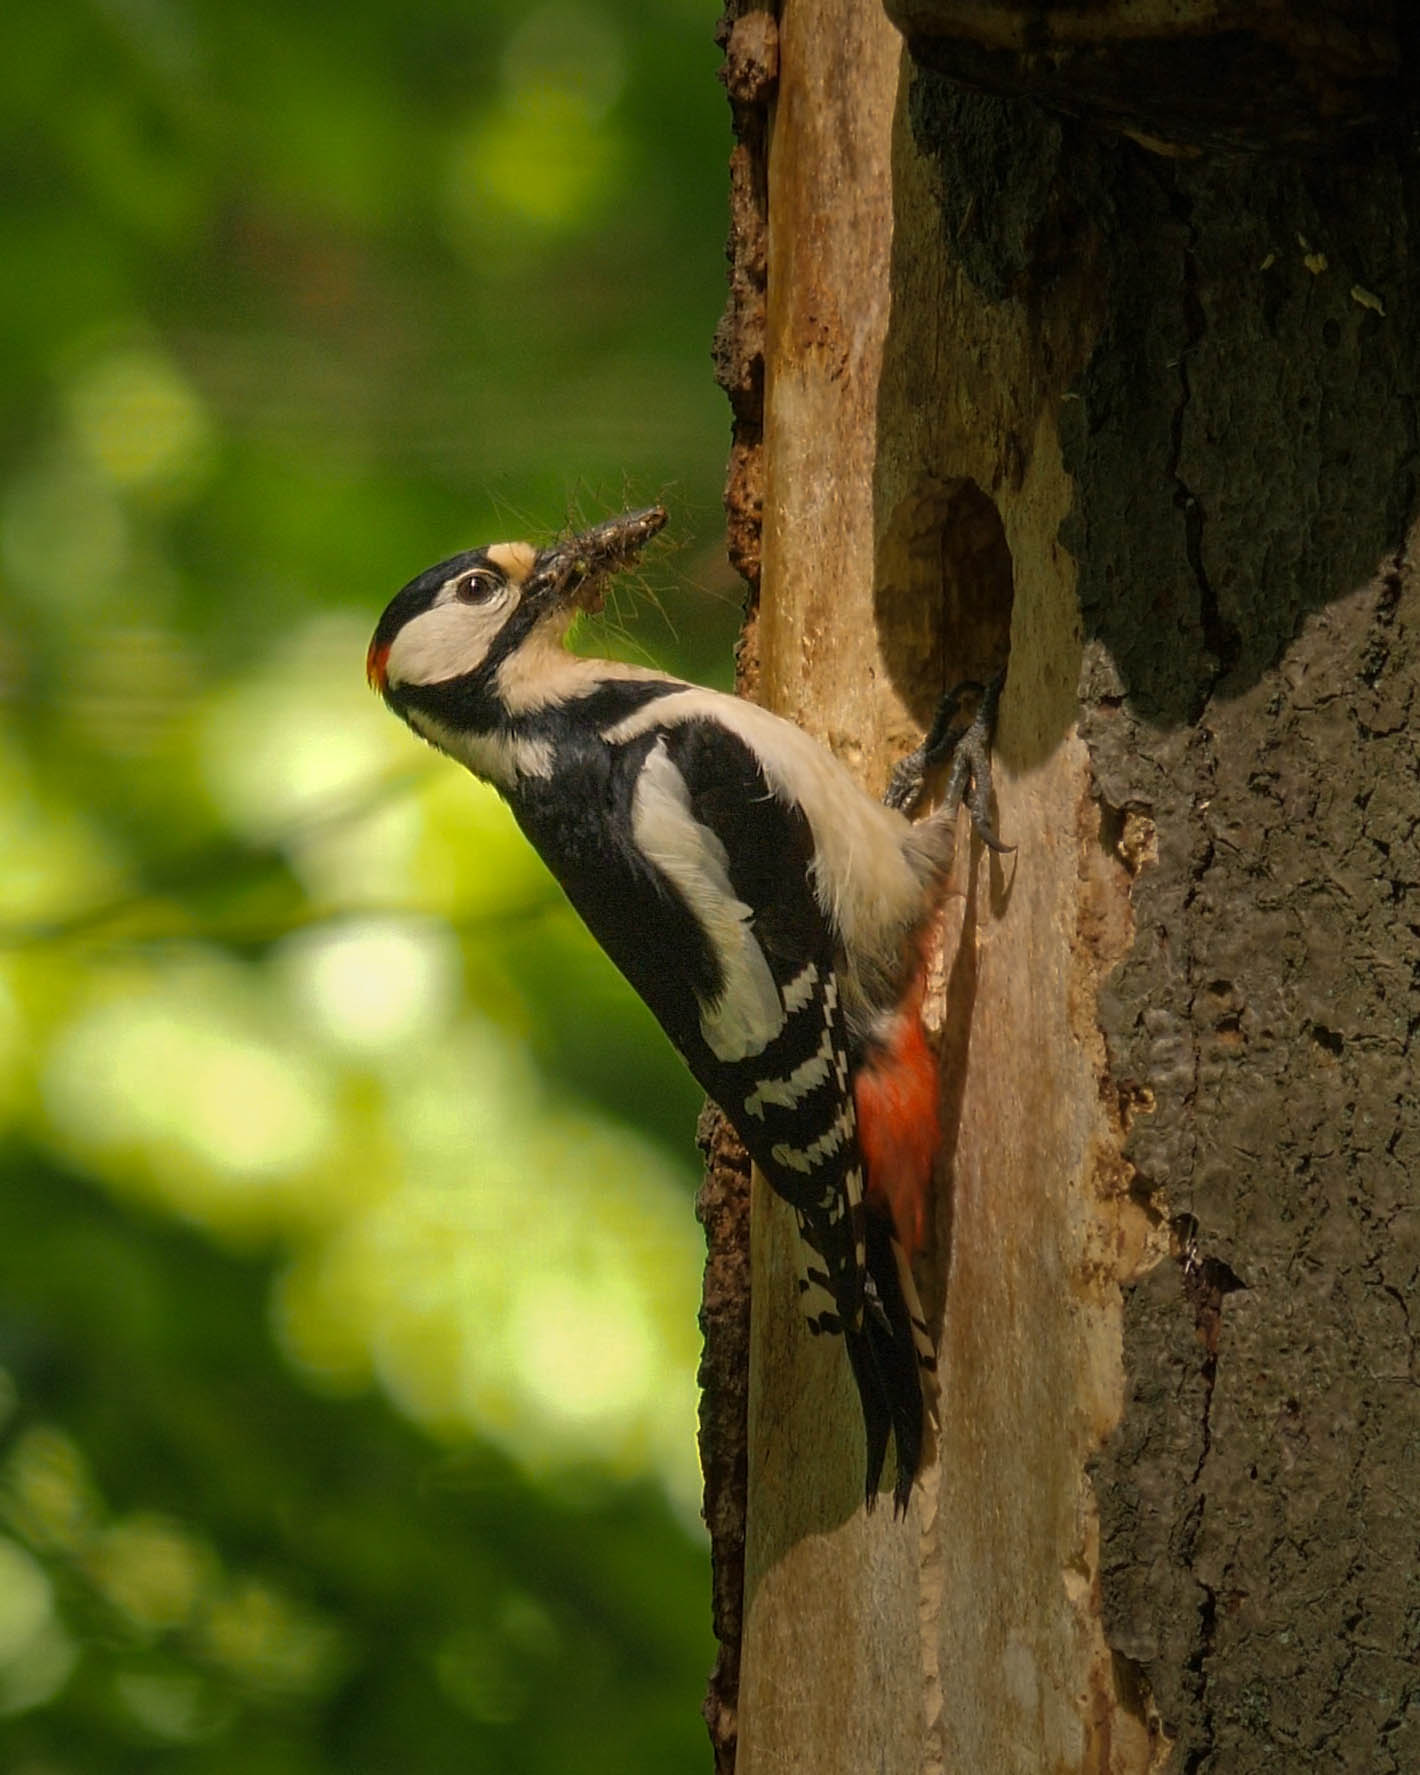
889 1348
911 1300
878 1416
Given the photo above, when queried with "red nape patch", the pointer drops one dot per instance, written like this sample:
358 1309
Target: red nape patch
376 663
896 1095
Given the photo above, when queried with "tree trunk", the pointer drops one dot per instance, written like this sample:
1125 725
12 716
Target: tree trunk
1125 401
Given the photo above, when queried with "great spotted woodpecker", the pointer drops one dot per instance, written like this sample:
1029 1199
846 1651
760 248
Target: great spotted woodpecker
772 915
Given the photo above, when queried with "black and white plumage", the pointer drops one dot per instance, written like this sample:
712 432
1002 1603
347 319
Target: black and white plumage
767 910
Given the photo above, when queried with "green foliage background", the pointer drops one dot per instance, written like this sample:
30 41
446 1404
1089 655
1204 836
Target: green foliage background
348 1270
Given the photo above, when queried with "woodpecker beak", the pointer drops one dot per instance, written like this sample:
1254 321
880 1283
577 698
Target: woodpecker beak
575 572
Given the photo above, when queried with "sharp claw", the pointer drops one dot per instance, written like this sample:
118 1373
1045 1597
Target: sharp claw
980 809
976 745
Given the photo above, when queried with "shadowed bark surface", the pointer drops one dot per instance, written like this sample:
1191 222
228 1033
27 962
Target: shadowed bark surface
1142 424
1249 690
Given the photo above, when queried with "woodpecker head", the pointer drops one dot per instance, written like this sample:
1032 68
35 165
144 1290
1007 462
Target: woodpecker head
458 623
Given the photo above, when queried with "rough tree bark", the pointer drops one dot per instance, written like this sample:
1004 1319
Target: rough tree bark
1083 339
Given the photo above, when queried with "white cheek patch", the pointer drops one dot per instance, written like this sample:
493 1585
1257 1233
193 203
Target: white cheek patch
749 1012
447 641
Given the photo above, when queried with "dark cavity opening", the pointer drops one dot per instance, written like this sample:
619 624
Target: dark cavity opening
945 587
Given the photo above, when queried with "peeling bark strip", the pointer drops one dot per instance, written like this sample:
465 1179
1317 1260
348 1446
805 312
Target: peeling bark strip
1145 422
749 38
723 1211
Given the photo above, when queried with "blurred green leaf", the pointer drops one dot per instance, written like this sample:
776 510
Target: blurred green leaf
347 1269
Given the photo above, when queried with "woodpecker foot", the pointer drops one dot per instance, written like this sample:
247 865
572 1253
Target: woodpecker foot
904 790
966 745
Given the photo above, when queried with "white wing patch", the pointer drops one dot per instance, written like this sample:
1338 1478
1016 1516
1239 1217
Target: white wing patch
749 1012
801 988
785 1093
807 1159
869 870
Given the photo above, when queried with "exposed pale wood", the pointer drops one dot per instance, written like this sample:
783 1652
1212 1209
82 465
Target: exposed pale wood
831 1673
1141 426
967 1636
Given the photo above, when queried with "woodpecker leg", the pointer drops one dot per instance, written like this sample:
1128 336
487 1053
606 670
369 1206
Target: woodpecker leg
904 790
967 745
970 777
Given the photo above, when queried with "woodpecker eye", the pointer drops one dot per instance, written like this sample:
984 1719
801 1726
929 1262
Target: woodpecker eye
477 587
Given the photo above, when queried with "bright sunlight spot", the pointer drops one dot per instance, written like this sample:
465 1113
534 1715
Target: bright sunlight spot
303 754
374 984
584 1353
301 738
167 1085
534 1275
